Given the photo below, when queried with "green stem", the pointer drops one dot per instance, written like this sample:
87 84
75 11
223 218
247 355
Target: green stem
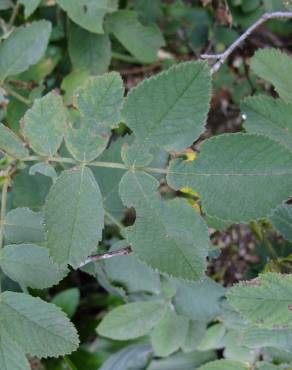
3 209
119 166
17 96
125 58
14 14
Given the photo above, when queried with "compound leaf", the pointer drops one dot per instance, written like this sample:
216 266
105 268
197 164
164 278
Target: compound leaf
23 226
40 328
23 48
73 216
169 334
31 266
131 320
170 109
12 356
265 301
239 177
11 144
274 66
142 41
270 117
44 124
89 14
169 236
281 219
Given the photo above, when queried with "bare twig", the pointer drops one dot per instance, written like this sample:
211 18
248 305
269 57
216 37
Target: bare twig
98 257
221 58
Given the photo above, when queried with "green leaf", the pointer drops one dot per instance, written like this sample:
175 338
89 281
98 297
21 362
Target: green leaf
256 338
182 361
44 124
73 216
31 266
136 155
213 338
11 144
40 328
88 14
270 117
135 356
141 279
196 331
44 169
281 219
274 66
89 51
109 180
224 365
23 48
12 356
250 173
132 320
102 98
87 141
198 301
29 6
24 226
173 120
72 82
169 236
30 191
169 334
143 42
265 301
68 301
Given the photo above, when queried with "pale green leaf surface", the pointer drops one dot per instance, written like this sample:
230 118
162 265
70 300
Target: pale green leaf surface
44 124
44 169
270 117
11 143
213 338
224 365
29 6
169 334
199 300
40 328
182 361
89 51
102 98
88 14
136 154
256 338
132 320
265 301
24 226
281 219
195 333
135 356
12 357
275 67
170 109
23 48
73 216
252 174
88 141
30 266
30 191
109 179
169 236
68 300
72 82
141 278
142 41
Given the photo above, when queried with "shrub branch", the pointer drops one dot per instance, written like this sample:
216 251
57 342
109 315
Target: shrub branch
221 58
